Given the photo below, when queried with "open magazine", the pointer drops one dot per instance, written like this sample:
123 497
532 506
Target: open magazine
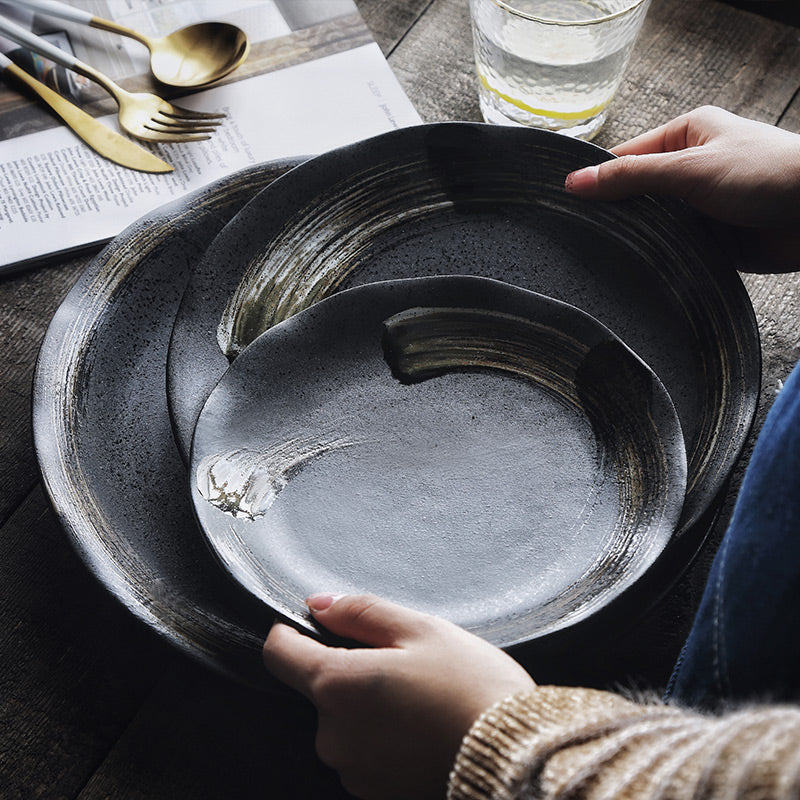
314 80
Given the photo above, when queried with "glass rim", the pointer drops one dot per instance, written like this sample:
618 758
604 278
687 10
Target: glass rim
506 6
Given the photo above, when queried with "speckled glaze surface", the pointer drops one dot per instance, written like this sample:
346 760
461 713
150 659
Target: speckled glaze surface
486 200
456 444
104 441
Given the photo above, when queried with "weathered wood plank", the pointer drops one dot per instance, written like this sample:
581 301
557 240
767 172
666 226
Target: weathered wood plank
390 20
790 119
27 302
434 64
776 300
74 666
691 54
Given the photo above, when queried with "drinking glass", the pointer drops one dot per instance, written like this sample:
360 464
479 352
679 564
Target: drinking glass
552 64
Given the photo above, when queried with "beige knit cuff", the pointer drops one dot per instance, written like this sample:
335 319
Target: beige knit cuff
509 742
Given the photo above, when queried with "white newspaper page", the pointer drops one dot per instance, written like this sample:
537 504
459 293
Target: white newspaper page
296 95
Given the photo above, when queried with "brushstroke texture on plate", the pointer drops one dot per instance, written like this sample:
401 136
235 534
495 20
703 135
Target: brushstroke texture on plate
456 444
486 200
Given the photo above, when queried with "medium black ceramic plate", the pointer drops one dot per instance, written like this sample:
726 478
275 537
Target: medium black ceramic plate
485 200
458 445
103 436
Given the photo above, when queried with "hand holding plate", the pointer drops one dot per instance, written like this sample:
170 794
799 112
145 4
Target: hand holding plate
718 163
392 715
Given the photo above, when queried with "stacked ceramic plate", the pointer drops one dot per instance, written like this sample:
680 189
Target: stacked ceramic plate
414 366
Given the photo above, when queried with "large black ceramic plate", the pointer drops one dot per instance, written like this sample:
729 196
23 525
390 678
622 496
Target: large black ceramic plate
103 436
458 445
485 200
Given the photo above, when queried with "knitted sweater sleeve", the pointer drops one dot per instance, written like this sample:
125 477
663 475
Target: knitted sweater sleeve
583 744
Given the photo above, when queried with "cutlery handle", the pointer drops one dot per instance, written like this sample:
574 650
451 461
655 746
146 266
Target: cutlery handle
30 40
56 9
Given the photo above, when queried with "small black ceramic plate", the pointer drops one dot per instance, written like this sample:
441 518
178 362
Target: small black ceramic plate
458 445
485 200
103 437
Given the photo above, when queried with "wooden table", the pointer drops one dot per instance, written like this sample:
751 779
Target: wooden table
93 705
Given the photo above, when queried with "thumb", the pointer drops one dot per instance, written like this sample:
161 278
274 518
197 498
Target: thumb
629 175
366 619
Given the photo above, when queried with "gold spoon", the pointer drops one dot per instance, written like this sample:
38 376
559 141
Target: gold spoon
193 56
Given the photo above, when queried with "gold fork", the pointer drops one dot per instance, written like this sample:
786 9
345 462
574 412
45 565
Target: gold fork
143 115
99 137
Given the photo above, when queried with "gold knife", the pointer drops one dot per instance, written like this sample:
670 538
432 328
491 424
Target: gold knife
108 143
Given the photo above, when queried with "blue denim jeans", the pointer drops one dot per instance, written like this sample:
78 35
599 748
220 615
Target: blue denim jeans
744 644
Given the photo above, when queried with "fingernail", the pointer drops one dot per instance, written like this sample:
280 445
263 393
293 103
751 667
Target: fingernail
321 602
582 179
